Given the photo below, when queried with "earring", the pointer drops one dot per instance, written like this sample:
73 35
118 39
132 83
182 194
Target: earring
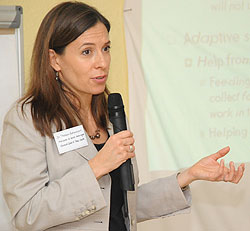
57 76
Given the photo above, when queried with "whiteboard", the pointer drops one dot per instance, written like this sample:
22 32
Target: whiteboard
11 77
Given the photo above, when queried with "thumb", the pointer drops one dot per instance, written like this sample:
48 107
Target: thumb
220 153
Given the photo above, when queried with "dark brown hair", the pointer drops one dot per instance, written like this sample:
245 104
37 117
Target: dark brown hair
49 99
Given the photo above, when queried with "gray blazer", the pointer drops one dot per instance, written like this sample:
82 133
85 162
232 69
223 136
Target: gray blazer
48 191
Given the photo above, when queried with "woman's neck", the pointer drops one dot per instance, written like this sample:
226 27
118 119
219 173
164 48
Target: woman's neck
89 122
85 100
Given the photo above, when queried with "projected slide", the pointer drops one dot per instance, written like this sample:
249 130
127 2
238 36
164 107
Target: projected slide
196 62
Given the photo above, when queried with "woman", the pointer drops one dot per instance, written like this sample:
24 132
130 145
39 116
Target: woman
48 187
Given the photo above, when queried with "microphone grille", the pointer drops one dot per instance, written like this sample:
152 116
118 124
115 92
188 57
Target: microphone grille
115 100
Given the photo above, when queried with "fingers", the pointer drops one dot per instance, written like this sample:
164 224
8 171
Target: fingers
131 148
234 176
126 153
228 174
221 170
117 150
220 153
124 134
123 143
231 174
239 174
128 141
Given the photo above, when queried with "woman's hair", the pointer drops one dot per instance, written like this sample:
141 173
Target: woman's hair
49 99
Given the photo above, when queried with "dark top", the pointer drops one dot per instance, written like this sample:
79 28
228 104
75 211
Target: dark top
116 219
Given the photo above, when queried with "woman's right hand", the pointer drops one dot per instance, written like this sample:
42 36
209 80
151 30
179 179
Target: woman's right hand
114 153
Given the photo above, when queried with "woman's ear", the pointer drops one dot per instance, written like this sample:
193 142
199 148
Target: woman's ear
53 59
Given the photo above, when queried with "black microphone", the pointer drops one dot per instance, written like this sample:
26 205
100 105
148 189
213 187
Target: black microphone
118 119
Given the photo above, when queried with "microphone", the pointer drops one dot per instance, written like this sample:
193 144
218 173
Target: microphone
118 119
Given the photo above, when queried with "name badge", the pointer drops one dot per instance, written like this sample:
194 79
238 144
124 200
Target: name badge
70 139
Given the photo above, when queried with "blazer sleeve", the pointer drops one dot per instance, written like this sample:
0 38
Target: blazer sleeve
162 197
35 202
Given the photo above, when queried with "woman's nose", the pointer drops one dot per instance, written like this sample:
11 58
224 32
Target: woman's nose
102 60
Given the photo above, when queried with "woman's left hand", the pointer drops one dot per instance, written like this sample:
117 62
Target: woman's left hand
208 168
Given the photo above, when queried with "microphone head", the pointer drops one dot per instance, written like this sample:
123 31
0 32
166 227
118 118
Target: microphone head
115 101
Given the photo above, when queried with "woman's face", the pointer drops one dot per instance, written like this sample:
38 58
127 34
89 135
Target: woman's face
84 65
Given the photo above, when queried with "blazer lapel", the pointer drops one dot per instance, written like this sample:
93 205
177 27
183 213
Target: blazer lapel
89 151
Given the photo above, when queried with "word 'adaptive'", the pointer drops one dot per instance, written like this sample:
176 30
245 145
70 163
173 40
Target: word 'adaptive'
211 39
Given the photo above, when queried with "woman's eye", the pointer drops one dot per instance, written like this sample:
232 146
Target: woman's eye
107 48
86 52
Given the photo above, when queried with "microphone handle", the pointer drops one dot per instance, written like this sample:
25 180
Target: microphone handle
126 169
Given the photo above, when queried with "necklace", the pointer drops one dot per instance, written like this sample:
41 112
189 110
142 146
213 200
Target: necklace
97 135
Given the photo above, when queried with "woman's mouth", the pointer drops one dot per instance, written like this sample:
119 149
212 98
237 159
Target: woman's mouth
100 79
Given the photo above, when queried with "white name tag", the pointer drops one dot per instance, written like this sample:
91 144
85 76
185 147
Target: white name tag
70 139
